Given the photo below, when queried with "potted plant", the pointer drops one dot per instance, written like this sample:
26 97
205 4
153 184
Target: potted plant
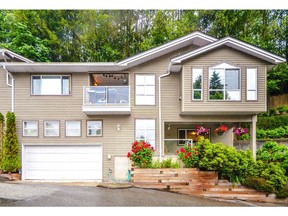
221 129
202 130
240 131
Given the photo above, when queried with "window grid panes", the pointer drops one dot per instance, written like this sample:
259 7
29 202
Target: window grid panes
145 90
224 84
145 130
94 128
251 80
51 85
73 128
197 86
51 128
30 128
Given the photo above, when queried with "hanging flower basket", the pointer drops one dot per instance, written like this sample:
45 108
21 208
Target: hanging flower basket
200 130
240 131
221 130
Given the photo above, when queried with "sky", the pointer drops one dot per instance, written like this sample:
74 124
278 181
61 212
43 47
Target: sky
144 4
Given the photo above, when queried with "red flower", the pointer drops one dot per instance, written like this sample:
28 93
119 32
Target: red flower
129 155
195 149
182 150
189 154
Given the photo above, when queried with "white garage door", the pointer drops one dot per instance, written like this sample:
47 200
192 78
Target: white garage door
62 162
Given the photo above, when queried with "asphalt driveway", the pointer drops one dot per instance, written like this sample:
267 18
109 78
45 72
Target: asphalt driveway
58 195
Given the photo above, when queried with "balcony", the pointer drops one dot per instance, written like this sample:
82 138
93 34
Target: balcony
106 100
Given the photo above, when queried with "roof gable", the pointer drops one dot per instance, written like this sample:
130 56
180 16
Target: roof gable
196 38
235 44
7 55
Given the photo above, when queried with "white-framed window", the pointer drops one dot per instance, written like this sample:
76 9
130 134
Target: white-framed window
145 130
51 128
30 128
50 84
94 128
224 83
145 89
251 84
197 84
73 128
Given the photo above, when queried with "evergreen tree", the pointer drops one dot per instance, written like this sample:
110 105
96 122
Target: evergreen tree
11 156
216 84
2 121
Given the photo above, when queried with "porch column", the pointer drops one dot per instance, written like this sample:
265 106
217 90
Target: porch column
253 136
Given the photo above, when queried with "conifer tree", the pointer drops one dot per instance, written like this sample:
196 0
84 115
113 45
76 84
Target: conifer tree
2 122
11 156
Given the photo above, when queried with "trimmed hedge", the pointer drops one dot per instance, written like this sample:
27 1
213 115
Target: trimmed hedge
272 122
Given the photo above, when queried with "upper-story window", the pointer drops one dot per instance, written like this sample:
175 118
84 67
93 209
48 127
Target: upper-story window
251 84
145 90
197 84
224 83
51 85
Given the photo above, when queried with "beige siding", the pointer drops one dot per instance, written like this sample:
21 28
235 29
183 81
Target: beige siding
232 57
118 143
5 94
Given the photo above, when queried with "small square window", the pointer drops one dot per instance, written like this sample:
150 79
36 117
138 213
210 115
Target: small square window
30 128
51 128
94 128
73 128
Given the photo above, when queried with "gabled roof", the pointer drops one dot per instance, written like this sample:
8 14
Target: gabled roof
196 38
8 55
235 44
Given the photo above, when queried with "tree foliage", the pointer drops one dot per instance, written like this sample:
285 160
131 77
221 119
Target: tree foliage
113 35
2 122
11 157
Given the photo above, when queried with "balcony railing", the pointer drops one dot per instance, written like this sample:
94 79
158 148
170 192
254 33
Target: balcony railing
106 99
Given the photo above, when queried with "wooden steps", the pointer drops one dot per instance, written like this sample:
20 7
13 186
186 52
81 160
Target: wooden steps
197 183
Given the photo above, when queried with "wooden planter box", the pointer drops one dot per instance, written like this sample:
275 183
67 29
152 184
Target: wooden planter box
169 178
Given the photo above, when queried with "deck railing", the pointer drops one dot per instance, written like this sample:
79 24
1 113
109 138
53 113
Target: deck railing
106 95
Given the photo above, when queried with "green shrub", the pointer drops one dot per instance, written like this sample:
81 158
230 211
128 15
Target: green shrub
11 152
273 152
274 174
189 156
141 154
282 193
259 184
2 122
166 163
281 132
231 164
272 112
270 123
282 109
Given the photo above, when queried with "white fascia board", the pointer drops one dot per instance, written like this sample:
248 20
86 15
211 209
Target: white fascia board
15 55
273 58
62 67
175 42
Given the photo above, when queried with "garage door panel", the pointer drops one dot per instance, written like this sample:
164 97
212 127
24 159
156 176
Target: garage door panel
61 166
63 149
61 158
60 175
63 162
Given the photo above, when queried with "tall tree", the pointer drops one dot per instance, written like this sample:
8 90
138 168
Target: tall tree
2 122
11 152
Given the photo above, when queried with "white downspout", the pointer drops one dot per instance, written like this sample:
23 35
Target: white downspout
13 92
160 111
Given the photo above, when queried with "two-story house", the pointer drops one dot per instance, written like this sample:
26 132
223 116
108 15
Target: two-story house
75 121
